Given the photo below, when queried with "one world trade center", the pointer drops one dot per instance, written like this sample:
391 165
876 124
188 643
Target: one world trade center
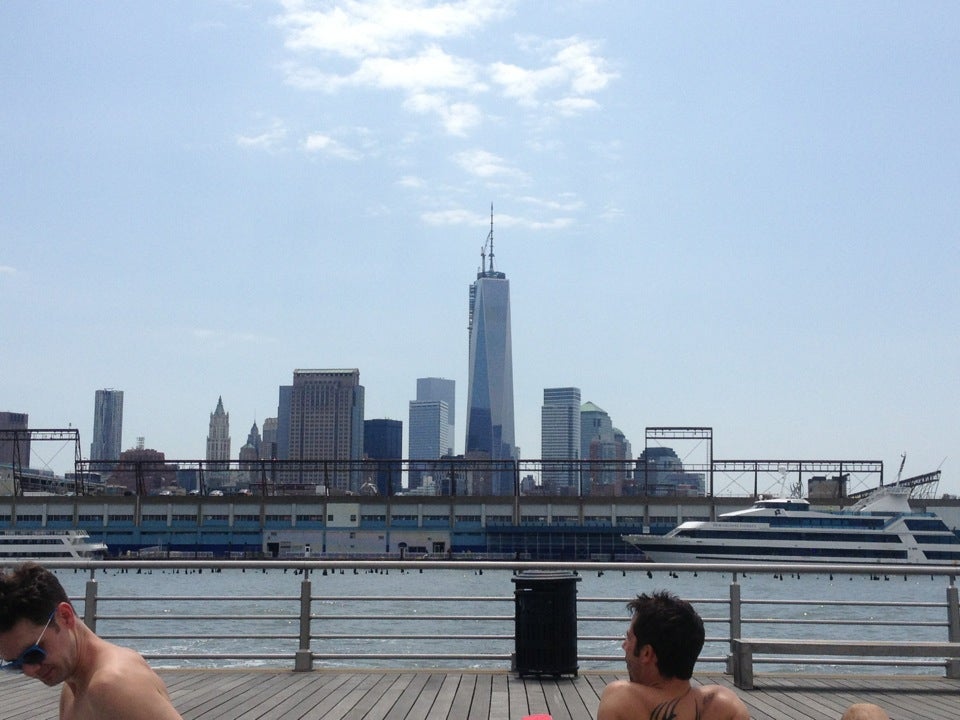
490 384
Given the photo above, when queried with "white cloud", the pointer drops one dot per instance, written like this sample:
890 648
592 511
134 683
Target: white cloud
269 139
7 270
575 70
574 106
612 213
568 204
405 45
411 181
486 165
457 117
320 143
356 29
431 68
588 73
524 85
452 217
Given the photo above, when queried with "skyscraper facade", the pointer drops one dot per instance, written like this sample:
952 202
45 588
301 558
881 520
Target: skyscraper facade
254 441
107 428
326 423
218 437
433 388
428 437
600 440
383 443
268 448
283 422
490 380
15 453
560 439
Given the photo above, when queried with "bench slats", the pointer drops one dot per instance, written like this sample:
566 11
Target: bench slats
743 650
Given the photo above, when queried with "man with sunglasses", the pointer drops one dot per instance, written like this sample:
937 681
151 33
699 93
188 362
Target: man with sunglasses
42 637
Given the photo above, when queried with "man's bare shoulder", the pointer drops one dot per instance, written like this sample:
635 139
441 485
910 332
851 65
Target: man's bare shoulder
622 700
625 700
722 703
125 687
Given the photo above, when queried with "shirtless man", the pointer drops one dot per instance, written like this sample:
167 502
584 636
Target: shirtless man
662 645
41 635
865 711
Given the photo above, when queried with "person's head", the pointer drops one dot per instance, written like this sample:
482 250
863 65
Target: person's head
865 711
32 601
31 593
671 627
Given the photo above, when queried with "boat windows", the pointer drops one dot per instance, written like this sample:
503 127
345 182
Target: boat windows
733 554
932 525
950 539
951 555
792 536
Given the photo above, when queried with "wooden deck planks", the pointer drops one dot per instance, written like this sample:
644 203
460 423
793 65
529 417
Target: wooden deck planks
256 694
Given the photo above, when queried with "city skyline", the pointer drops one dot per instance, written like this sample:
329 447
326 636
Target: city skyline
741 217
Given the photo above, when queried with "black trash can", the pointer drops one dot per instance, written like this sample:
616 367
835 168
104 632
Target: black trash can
545 623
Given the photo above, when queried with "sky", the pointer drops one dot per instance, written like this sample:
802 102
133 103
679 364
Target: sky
736 215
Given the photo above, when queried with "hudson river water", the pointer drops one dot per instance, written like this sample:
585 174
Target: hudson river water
243 597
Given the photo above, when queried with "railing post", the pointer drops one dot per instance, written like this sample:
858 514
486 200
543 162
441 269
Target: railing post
953 627
90 605
304 658
735 619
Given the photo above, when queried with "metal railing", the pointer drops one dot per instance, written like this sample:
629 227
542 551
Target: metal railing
297 624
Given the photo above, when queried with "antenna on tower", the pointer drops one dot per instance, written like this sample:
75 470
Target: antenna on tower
490 237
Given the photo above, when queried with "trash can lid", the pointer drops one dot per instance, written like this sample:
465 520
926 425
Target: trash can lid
545 575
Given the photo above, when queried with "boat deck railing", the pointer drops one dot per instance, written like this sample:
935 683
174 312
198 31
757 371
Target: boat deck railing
300 627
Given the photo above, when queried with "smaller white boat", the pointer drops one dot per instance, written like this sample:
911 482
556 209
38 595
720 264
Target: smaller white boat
20 545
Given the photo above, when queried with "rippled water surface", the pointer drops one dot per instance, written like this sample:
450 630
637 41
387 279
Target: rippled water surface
239 604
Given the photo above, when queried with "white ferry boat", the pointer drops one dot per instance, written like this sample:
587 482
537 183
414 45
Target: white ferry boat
881 528
19 545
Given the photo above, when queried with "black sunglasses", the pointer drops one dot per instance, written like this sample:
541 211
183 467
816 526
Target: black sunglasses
33 655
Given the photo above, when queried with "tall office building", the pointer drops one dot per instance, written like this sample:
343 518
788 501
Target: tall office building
428 438
560 439
283 422
490 380
326 424
383 443
218 438
268 447
107 428
600 440
15 453
433 388
254 442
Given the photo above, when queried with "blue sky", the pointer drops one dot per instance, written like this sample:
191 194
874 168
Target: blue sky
736 215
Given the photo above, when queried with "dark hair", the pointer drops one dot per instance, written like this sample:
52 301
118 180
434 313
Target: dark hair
672 628
30 592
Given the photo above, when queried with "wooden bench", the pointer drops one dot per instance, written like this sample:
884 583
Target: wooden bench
743 650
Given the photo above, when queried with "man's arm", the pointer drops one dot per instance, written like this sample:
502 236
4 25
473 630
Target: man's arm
721 702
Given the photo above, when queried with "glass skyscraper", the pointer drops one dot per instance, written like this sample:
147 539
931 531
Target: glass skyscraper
107 428
383 442
490 381
428 437
432 389
560 439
